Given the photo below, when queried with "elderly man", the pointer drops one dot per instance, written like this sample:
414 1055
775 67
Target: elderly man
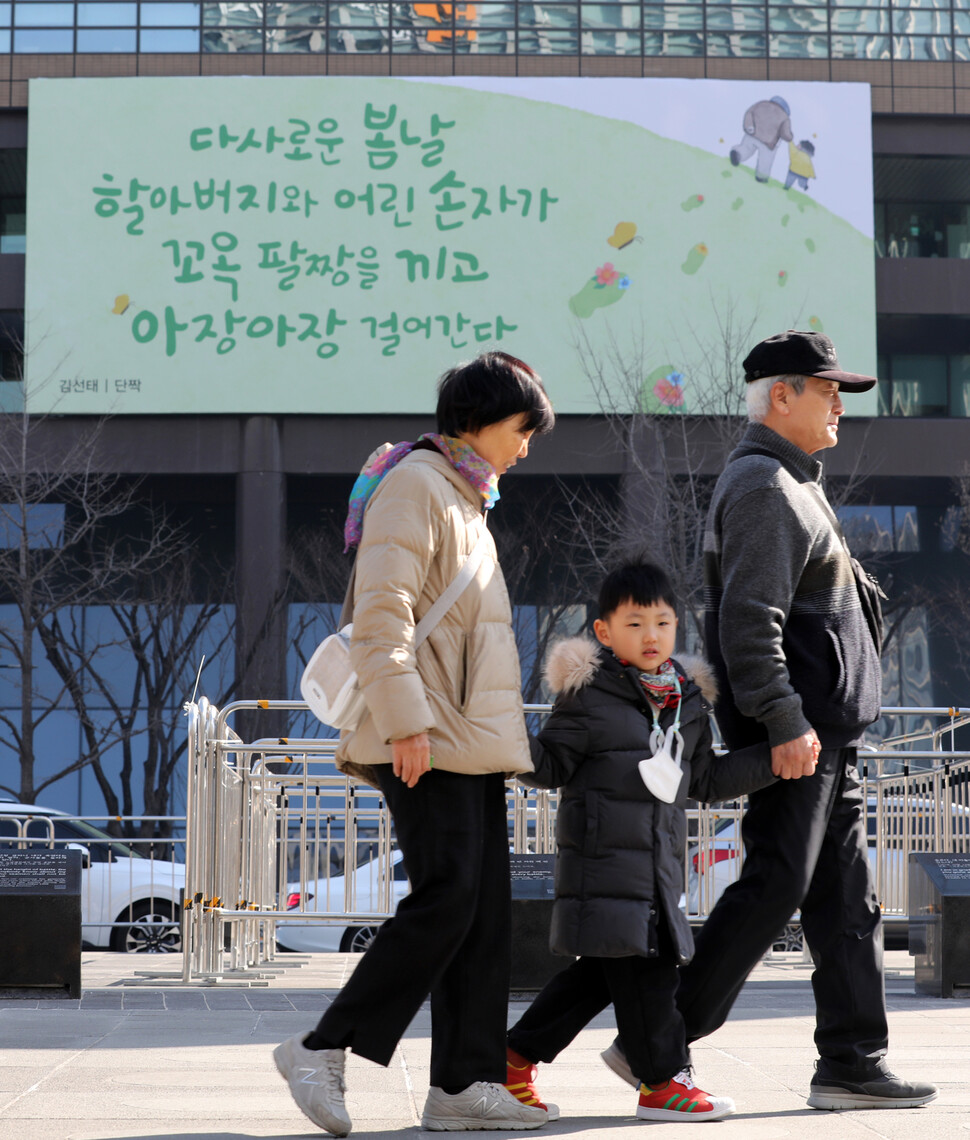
792 627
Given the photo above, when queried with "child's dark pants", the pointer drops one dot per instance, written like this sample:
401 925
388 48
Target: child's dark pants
642 991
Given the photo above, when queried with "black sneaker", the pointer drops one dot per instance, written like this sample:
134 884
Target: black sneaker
881 1090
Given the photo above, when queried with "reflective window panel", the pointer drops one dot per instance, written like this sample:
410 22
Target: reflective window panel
736 19
107 39
44 16
739 45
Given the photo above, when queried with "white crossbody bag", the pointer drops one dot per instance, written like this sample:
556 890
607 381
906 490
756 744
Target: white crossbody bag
329 683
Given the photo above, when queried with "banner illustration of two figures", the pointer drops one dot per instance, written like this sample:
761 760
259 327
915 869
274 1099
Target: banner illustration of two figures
330 245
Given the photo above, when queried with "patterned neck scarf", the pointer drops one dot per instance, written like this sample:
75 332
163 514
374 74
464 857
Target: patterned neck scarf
465 460
662 687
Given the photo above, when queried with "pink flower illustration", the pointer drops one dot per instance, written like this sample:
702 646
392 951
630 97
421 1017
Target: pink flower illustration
669 390
606 274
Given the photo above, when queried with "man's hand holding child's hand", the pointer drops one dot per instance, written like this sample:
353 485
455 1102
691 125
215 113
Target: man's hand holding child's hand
796 758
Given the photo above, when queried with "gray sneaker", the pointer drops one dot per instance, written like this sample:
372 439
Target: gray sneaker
316 1080
881 1090
483 1106
614 1058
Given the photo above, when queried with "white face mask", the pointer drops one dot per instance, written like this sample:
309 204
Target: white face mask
661 772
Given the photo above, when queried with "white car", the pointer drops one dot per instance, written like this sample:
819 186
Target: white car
129 899
327 896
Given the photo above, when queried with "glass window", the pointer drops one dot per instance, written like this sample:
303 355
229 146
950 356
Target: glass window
906 529
612 43
742 3
926 3
960 385
360 16
173 15
44 16
736 19
13 225
215 40
799 47
339 41
919 386
548 43
859 3
232 15
44 526
739 45
107 16
867 529
495 41
673 17
5 15
492 15
921 23
859 47
859 20
302 14
174 39
611 15
548 15
935 48
40 41
673 43
313 40
107 40
797 20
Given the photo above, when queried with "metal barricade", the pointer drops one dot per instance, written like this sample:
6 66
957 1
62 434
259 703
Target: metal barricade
274 837
914 800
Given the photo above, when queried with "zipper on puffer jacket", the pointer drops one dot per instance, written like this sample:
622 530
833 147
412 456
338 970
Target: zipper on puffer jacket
463 683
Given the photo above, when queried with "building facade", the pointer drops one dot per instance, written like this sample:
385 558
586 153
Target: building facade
249 483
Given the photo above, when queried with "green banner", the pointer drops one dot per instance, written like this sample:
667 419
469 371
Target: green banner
314 245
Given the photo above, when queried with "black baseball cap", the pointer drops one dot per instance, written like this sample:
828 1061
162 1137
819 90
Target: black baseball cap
802 354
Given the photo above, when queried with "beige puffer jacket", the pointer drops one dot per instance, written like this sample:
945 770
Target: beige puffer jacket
463 689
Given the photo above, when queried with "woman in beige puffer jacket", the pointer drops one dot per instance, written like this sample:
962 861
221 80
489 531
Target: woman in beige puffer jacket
462 687
442 729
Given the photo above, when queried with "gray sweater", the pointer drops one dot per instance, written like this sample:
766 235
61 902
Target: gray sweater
784 627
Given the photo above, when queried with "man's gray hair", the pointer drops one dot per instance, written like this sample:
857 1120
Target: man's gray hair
758 394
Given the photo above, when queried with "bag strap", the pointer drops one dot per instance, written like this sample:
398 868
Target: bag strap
455 588
439 607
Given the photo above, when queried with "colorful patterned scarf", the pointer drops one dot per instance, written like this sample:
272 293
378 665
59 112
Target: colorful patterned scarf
663 687
479 472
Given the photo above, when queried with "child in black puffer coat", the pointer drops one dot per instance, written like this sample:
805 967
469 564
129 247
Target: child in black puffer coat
620 863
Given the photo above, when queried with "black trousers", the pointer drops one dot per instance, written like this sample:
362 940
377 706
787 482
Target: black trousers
805 846
450 937
649 1025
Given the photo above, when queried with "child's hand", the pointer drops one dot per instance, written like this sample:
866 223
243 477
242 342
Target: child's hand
796 758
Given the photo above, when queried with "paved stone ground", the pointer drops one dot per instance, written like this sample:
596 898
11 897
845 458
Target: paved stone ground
143 1057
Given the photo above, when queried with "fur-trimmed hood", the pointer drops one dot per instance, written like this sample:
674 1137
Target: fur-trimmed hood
572 664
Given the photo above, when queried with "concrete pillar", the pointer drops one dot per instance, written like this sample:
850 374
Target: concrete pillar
261 624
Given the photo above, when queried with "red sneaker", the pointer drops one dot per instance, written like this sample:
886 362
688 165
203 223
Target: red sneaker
520 1076
680 1099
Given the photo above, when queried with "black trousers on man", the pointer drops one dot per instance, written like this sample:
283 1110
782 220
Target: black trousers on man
649 1025
805 847
450 937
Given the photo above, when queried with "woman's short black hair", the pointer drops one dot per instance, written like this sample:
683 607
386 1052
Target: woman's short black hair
638 581
489 389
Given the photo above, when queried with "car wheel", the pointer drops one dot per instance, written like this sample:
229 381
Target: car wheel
154 929
357 939
789 939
